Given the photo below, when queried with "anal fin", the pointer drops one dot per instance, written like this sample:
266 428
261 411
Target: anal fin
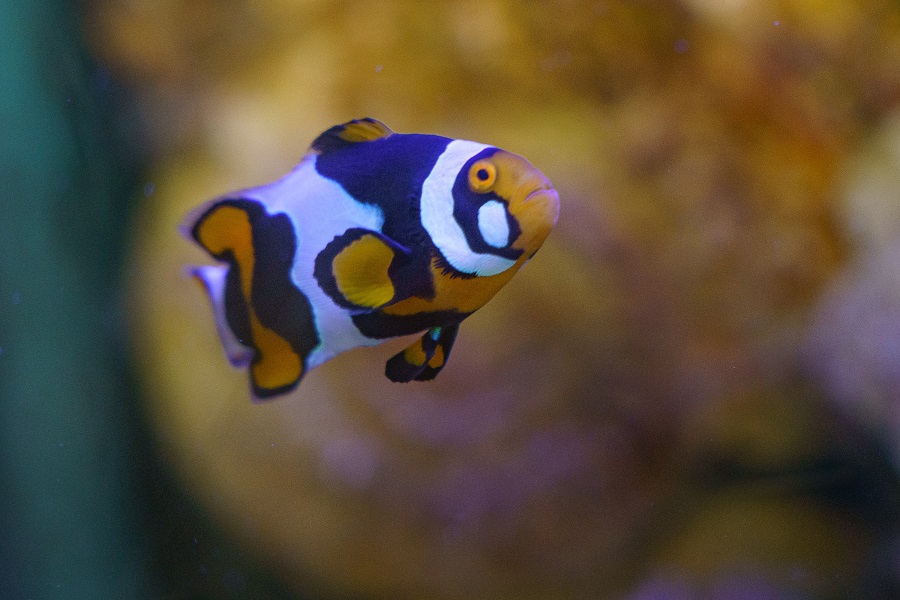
424 358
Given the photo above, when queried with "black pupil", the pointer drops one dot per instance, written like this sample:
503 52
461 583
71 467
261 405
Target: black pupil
482 174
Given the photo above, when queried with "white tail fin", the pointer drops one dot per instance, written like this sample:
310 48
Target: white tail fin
213 280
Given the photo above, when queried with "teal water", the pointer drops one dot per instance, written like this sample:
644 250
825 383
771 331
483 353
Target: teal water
66 421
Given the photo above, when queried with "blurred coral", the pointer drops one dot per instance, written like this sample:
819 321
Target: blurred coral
854 341
635 402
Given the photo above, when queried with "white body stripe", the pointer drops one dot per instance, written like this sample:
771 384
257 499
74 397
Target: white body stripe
437 213
319 209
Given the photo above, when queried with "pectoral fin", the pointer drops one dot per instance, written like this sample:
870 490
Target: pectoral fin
423 359
355 269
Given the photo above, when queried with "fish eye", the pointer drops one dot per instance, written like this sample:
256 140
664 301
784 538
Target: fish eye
482 176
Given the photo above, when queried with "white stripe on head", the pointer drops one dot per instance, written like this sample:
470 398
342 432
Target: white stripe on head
437 213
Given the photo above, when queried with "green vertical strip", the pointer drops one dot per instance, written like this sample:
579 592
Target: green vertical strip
65 422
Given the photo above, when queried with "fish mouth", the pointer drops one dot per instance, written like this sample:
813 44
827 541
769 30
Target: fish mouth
542 203
542 195
538 190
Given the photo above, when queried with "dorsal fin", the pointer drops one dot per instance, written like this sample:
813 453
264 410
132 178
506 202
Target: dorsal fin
351 132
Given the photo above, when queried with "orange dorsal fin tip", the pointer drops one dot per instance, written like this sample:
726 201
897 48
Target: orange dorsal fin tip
349 133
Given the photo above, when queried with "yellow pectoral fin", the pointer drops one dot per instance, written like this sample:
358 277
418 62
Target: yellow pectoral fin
360 272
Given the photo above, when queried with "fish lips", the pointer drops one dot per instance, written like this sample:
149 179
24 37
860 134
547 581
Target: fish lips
537 211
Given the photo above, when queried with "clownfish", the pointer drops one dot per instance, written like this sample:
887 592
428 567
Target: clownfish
373 235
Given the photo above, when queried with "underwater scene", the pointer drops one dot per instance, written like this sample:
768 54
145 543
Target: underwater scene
231 281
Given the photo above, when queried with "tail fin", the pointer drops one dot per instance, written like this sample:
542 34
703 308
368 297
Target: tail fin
264 321
212 278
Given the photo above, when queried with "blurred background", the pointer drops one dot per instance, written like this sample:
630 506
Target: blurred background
692 392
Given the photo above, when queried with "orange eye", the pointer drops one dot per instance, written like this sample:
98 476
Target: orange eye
482 176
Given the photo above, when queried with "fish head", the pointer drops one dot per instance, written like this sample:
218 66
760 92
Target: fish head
506 187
